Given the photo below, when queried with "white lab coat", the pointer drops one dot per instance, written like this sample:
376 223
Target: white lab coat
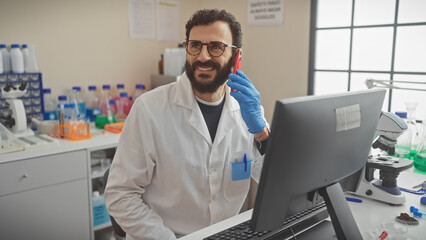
167 176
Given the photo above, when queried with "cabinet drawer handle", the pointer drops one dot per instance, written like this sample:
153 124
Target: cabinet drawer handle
25 176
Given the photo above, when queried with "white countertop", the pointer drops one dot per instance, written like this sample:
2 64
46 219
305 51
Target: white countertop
99 138
370 215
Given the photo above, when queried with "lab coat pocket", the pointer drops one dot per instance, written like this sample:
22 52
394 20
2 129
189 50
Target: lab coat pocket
237 180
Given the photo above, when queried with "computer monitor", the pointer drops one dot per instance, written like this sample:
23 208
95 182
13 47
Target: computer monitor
315 142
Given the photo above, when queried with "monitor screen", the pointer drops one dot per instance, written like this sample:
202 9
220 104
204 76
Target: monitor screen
315 142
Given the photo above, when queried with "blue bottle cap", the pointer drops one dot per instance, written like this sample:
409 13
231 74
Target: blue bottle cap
92 88
123 94
112 101
106 86
62 98
47 90
140 86
423 200
15 45
2 45
120 85
77 88
401 114
24 46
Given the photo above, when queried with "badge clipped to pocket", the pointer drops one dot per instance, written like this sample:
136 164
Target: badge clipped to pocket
241 169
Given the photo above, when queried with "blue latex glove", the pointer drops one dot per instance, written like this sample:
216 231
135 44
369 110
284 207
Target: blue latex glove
249 99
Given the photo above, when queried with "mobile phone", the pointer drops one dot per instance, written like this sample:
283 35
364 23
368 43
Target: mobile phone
238 61
237 64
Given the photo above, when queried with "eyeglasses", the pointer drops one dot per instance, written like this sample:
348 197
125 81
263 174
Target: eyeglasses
215 48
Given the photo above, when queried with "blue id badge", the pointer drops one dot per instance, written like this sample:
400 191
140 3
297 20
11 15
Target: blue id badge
241 170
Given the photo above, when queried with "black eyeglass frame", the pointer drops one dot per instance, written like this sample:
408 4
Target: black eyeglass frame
224 46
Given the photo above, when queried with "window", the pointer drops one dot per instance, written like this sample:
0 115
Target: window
355 40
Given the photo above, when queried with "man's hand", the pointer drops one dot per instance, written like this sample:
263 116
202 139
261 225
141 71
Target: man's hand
249 99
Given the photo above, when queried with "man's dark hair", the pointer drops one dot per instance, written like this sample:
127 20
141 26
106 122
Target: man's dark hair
209 16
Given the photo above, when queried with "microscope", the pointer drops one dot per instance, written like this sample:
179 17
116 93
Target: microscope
17 120
384 189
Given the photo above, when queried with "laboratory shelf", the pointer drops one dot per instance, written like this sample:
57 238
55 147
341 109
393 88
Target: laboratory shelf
97 174
102 226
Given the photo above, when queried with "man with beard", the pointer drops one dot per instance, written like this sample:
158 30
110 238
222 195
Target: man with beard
188 149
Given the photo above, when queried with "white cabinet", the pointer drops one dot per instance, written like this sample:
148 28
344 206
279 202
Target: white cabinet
100 160
46 193
45 197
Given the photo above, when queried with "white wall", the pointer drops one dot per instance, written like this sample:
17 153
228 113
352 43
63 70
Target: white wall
86 42
82 42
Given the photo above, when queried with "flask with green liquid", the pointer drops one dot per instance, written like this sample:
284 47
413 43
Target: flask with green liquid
420 159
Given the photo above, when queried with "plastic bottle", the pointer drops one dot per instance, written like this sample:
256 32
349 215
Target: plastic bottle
100 214
123 107
113 107
17 59
92 104
26 54
50 105
6 58
105 97
79 102
62 100
411 122
1 62
31 65
119 89
140 89
403 145
420 159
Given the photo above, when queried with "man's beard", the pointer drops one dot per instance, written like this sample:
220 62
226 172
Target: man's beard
211 86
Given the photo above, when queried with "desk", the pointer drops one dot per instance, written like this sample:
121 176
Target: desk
369 215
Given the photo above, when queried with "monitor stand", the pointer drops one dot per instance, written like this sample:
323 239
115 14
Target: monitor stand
341 216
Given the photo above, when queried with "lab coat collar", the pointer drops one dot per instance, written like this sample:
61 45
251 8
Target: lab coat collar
184 97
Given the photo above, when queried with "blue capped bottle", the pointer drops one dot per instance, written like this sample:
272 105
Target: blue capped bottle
50 110
93 108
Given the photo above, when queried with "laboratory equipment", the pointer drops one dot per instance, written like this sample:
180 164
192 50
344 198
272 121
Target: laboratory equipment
420 159
119 88
1 62
50 109
26 55
17 59
6 58
48 127
391 84
299 166
416 212
31 64
384 189
123 107
92 104
17 121
403 146
77 99
100 214
420 191
140 89
105 97
7 141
